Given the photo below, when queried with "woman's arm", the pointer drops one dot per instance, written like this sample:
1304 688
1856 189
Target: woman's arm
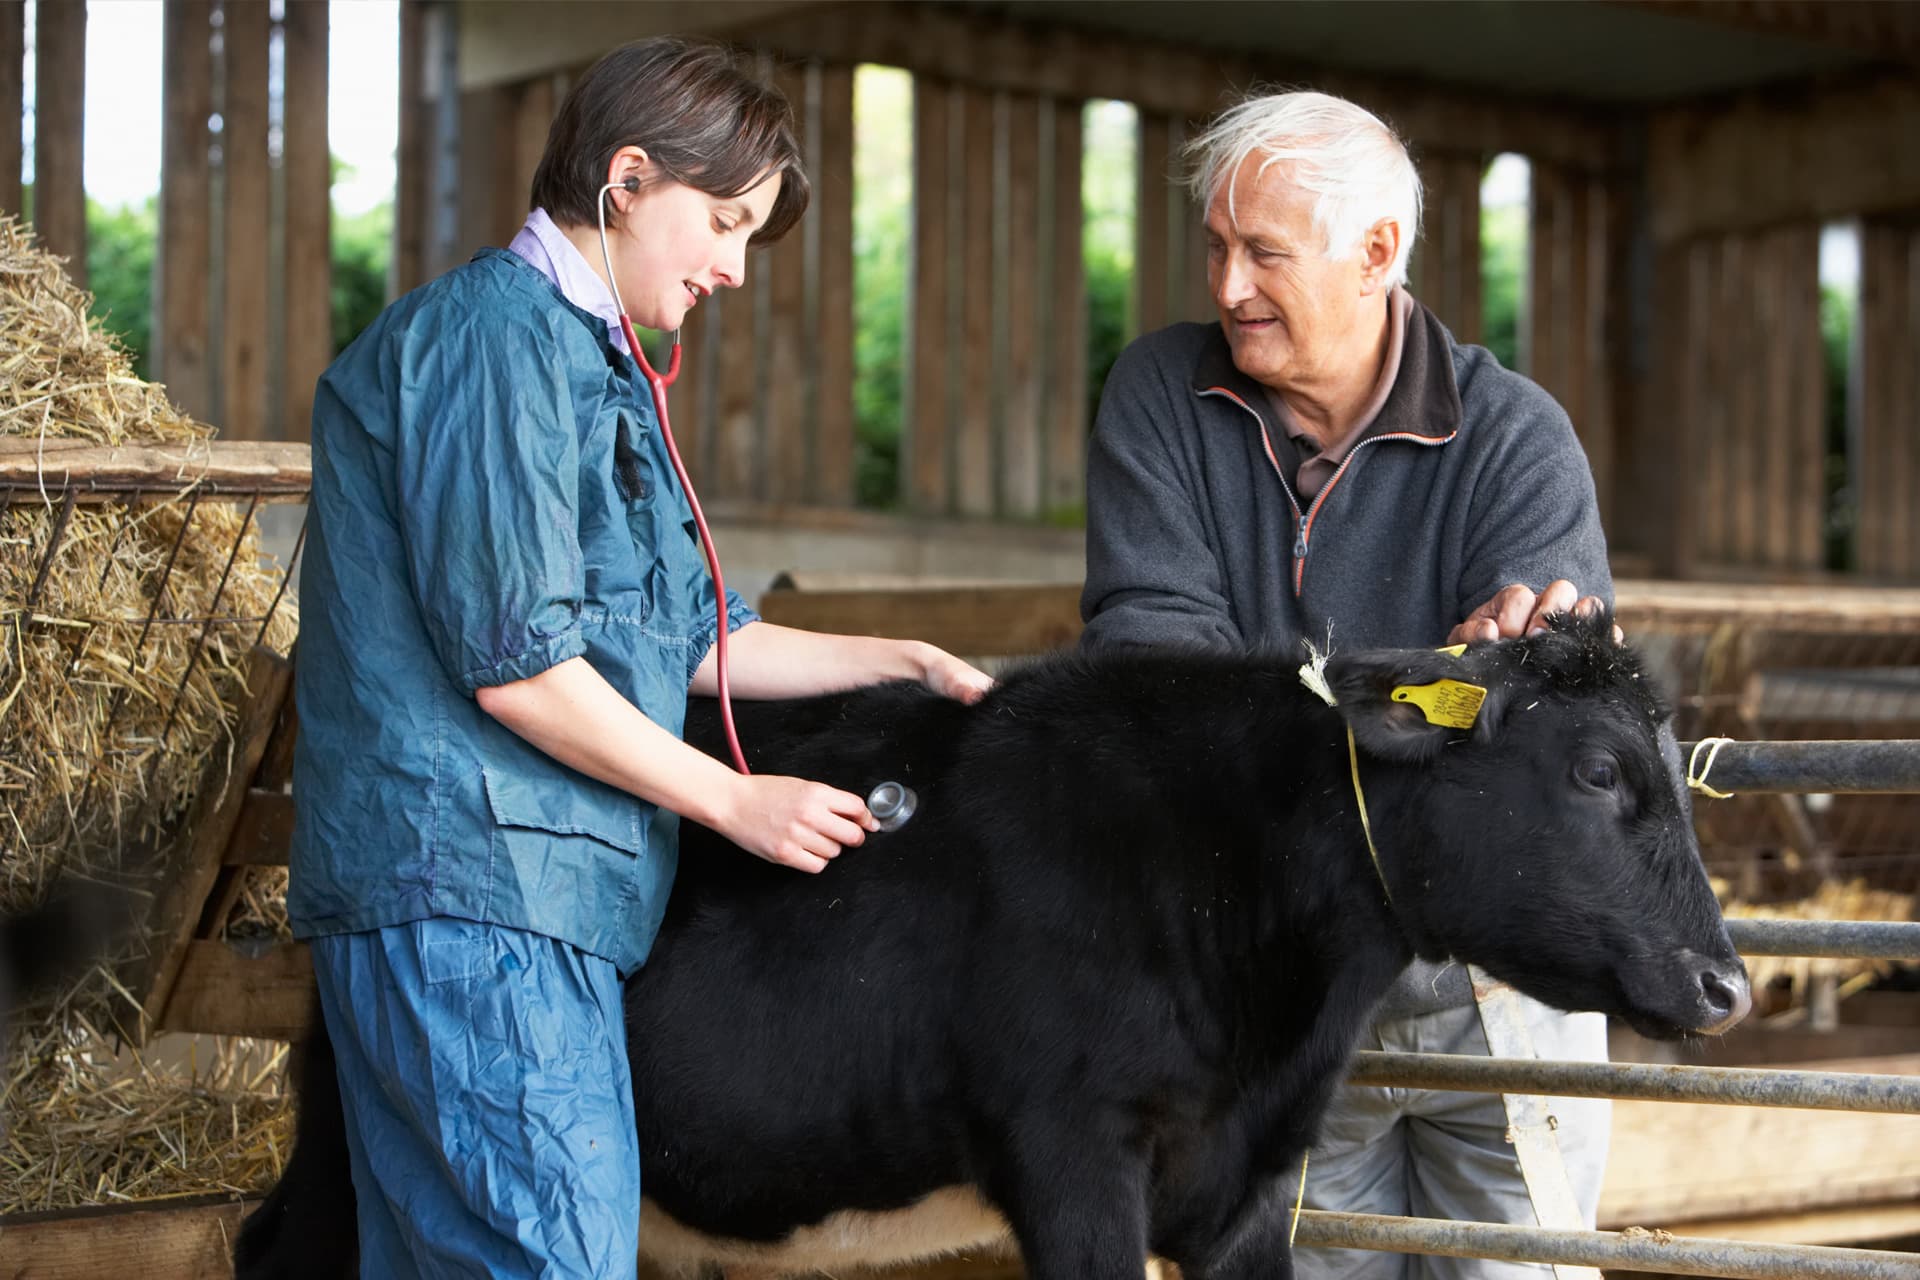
770 661
570 712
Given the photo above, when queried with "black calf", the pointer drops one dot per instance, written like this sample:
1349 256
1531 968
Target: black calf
1106 979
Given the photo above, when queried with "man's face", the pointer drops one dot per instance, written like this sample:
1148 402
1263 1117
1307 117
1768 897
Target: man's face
1291 317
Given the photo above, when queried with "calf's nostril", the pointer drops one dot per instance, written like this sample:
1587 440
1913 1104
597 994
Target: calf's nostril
1728 998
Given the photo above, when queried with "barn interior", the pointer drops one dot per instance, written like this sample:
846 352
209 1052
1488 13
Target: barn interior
1710 216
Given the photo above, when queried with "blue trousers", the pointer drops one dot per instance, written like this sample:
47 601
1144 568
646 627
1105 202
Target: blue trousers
489 1104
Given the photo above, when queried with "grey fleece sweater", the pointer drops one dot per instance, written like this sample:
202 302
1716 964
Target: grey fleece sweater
1470 479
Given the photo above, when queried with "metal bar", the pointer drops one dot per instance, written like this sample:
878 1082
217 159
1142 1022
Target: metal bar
1737 1086
54 540
206 628
1847 939
1620 1250
286 576
1840 767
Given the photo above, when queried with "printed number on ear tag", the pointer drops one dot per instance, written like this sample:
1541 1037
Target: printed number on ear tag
1452 703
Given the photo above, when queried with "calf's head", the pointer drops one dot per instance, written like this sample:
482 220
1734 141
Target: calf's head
1551 842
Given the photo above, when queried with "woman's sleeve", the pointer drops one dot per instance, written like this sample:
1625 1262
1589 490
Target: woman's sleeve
487 491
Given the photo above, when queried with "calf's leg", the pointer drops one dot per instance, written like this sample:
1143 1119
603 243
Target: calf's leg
1077 1206
306 1229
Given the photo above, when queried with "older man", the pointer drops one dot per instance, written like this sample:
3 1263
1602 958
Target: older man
1327 464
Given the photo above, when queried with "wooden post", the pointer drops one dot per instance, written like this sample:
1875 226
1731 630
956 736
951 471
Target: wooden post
181 293
60 90
1066 397
309 219
13 57
1887 471
1020 438
1150 229
974 448
924 443
787 409
183 882
243 403
833 218
411 207
1445 269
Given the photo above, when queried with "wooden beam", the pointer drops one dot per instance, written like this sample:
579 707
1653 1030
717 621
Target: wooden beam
1668 1161
1445 270
974 425
243 405
13 57
59 131
1880 30
1065 332
990 51
787 411
309 219
173 1242
1021 452
1152 233
414 156
182 297
975 621
221 991
925 444
991 620
833 220
263 830
1886 472
1810 153
104 473
191 866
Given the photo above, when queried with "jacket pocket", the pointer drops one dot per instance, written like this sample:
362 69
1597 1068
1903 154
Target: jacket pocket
572 807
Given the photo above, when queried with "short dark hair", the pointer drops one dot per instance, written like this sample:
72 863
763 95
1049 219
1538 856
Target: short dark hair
696 114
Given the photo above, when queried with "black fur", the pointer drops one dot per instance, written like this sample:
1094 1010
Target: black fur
1111 971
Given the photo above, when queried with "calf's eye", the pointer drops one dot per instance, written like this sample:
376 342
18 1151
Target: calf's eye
1596 772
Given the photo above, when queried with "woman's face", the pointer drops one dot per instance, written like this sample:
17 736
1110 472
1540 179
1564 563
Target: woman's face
673 244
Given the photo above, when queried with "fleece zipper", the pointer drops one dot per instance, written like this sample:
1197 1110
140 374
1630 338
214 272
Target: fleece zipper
1303 523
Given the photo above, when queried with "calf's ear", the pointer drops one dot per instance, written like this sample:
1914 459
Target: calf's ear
1371 691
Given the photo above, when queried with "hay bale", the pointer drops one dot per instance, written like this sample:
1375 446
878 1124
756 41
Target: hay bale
120 679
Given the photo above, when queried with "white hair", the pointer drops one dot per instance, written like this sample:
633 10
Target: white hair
1355 166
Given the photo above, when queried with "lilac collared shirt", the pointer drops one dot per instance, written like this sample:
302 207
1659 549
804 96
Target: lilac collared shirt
543 245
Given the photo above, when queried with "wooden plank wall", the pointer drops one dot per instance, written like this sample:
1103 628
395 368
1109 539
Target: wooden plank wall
242 311
1743 372
997 348
60 86
1444 272
1170 241
13 58
1886 474
1564 339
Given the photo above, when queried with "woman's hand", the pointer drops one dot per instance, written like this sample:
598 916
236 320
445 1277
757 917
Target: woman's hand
792 822
949 677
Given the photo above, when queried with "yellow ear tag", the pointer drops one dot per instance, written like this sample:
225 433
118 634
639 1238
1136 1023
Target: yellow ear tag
1452 650
1452 703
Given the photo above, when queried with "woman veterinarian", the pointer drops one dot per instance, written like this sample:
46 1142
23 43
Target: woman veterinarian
502 615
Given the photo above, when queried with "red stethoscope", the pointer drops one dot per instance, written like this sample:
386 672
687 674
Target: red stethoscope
658 384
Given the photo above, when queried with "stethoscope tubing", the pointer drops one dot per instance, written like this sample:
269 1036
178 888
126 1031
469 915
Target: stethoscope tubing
658 383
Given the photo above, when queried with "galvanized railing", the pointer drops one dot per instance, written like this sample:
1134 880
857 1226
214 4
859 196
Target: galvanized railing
1753 767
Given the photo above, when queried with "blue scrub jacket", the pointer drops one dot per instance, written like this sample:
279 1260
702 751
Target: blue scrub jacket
491 496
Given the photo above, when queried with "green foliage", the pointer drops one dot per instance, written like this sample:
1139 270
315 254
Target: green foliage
1109 182
1503 252
120 247
882 245
1838 307
362 246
